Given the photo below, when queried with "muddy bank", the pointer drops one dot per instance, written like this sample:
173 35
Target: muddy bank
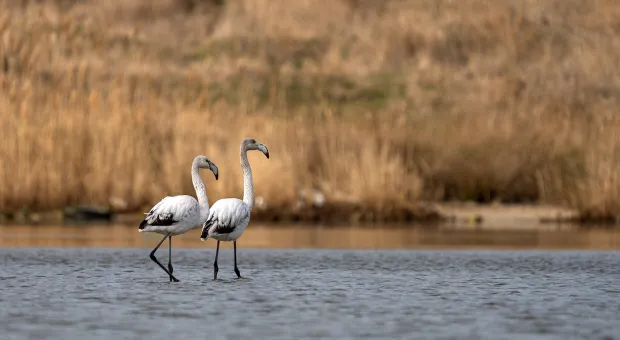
460 215
507 216
333 213
343 213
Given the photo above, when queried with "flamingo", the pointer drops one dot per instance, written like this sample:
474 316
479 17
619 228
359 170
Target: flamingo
174 215
229 217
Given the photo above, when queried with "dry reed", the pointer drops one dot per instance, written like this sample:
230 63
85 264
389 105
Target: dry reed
380 103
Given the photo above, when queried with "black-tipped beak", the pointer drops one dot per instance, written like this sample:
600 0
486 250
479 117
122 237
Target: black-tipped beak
264 150
215 171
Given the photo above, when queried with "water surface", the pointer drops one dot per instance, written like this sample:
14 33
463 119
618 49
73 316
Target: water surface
291 294
103 285
322 237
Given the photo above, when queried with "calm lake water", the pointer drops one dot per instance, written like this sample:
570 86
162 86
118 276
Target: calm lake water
90 282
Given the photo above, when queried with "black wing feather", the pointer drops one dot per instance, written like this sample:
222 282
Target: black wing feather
225 229
221 228
158 220
205 227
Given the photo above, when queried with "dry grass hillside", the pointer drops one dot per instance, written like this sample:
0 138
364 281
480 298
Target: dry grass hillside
382 104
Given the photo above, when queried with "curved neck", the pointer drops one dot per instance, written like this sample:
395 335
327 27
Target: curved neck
248 187
201 192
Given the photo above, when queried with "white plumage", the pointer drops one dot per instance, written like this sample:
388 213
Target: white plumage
174 215
229 217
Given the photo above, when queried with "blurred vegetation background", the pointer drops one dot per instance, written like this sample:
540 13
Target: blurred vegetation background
379 105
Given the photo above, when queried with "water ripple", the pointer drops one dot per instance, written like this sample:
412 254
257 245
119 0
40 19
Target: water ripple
119 293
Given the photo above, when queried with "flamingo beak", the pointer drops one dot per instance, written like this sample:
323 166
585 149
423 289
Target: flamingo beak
264 150
215 171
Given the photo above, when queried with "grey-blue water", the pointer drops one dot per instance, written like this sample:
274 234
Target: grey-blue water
84 293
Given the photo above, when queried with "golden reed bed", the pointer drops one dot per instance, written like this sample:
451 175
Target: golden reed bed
377 104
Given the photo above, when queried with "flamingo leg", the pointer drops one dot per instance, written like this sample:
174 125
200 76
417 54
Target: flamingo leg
236 269
152 256
217 252
170 269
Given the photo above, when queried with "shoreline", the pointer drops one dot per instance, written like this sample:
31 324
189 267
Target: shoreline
425 214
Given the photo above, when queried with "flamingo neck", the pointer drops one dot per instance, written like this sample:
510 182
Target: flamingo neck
201 192
248 186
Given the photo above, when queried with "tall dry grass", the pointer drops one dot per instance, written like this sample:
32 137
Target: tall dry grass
384 103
